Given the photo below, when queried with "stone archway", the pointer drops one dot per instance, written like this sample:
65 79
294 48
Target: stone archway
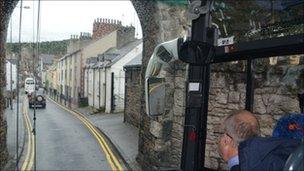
160 138
160 22
6 8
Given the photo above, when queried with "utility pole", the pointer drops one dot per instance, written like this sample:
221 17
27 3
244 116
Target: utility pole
17 87
197 53
11 65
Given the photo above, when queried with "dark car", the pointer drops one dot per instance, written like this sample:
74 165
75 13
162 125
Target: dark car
40 99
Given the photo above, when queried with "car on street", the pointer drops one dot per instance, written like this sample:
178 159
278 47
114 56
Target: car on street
39 99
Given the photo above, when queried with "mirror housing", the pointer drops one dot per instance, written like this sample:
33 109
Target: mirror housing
158 70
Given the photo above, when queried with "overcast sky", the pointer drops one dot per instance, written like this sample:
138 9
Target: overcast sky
60 19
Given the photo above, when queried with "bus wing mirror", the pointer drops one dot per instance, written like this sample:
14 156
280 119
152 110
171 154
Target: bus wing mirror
157 71
156 96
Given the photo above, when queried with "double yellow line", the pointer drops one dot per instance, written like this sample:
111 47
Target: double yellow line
111 158
29 159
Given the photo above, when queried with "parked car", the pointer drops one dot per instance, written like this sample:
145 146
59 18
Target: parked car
40 99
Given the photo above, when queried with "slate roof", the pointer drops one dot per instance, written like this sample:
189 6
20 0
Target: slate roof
124 51
135 62
112 55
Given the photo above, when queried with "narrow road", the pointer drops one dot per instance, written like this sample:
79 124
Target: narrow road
65 143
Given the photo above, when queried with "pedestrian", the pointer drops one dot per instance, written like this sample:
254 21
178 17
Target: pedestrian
242 147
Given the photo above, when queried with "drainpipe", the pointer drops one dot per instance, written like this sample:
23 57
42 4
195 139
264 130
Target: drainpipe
99 87
105 86
93 87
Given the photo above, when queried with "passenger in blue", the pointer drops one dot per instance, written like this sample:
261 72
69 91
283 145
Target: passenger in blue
243 149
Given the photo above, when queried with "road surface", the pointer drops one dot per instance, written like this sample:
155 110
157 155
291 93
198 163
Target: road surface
64 142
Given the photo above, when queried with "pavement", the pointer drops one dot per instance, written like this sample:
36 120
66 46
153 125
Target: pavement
122 135
11 141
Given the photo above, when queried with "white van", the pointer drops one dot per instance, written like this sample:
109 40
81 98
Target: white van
29 85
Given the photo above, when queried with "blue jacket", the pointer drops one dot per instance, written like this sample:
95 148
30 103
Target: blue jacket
268 153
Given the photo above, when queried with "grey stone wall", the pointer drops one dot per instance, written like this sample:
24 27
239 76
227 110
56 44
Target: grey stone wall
132 96
159 140
6 8
276 89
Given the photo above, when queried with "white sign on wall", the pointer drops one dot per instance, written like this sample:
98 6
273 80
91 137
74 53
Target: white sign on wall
225 41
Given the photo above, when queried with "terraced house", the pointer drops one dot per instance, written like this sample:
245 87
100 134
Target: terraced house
108 36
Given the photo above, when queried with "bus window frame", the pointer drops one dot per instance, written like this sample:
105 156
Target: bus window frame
193 151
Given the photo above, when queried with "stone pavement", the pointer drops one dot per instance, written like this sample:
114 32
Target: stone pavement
122 135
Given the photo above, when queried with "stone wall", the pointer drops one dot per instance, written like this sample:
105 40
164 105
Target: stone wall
275 94
159 140
6 8
132 96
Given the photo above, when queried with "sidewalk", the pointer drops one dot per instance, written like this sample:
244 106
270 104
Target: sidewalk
11 135
123 136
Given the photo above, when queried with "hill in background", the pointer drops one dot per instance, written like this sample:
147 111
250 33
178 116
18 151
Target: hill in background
57 48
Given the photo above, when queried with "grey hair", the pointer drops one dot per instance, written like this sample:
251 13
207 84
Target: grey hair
239 128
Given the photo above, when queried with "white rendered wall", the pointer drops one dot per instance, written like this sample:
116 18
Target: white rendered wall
119 80
8 76
86 82
96 88
90 85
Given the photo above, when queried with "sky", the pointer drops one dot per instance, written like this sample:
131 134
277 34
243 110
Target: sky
62 18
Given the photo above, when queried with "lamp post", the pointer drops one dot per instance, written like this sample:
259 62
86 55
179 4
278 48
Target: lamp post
17 83
11 65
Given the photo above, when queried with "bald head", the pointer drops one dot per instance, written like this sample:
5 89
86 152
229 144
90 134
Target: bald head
241 125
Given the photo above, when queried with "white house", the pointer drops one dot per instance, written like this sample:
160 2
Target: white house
115 76
11 67
105 78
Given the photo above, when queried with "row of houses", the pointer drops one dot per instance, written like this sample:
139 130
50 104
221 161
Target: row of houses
92 72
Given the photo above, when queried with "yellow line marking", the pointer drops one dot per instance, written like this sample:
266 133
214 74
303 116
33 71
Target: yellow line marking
106 145
25 163
109 154
29 160
97 137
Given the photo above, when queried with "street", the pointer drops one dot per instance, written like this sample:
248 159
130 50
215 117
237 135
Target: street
63 142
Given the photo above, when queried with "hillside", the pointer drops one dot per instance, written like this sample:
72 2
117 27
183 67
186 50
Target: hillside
50 47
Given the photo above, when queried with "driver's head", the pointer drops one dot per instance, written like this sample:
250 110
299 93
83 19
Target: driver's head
238 126
241 125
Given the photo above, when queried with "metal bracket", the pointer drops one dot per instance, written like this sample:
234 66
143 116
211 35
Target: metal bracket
195 10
